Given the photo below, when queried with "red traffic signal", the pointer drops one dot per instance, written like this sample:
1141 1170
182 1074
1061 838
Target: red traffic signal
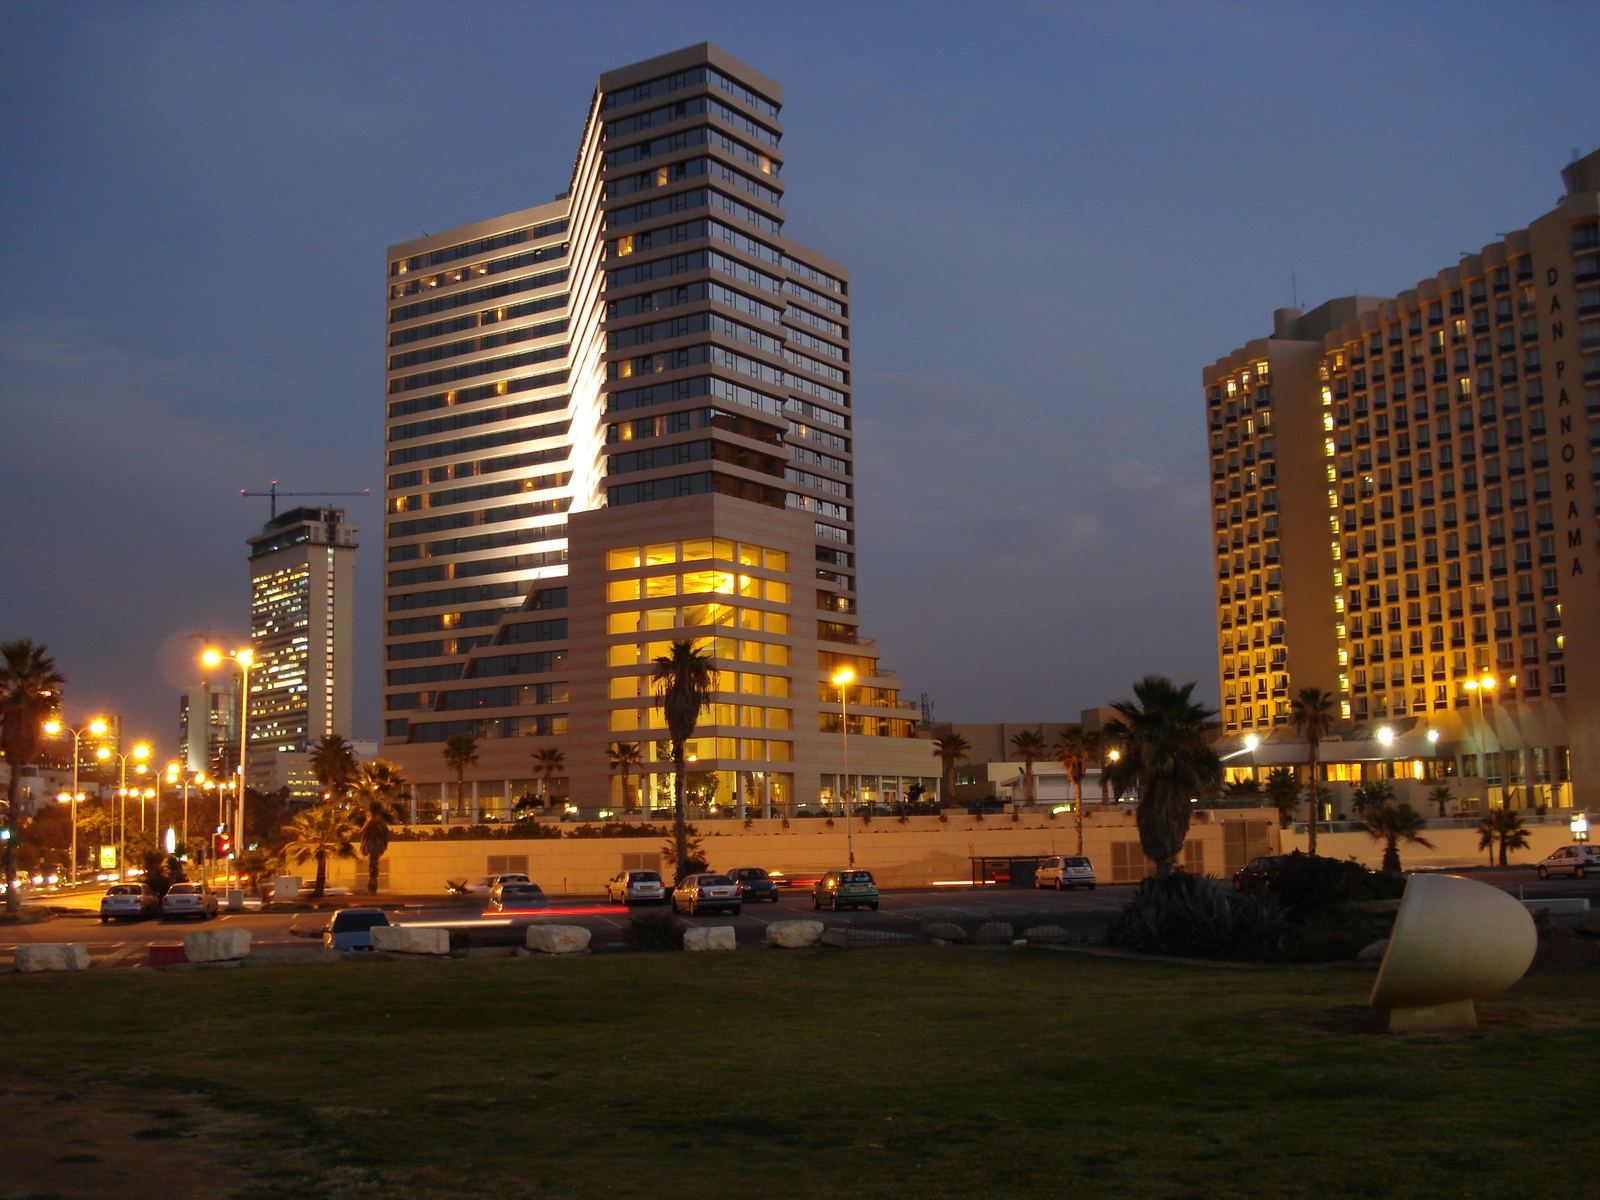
222 843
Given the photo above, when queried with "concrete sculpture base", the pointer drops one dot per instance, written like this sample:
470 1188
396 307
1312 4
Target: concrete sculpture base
1455 940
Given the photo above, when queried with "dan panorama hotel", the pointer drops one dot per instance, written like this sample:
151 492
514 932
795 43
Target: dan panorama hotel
619 419
1405 515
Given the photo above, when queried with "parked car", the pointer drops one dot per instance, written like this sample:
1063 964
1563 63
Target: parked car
1065 871
485 884
845 889
189 900
700 893
1576 861
636 887
1259 874
517 897
754 884
351 928
128 900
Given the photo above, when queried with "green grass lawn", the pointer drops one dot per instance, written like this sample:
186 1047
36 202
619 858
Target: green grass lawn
918 1073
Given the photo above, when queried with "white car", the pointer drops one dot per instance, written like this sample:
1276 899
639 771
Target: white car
1065 871
188 900
1576 861
636 887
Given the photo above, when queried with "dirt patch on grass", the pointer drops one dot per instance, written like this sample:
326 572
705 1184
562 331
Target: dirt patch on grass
90 1139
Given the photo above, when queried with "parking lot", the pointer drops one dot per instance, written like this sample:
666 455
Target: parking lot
1081 913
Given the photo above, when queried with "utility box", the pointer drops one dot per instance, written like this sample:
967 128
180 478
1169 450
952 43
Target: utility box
285 887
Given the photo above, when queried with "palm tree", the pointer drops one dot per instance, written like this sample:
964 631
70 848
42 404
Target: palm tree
548 765
1504 825
1030 747
1395 823
317 833
950 749
683 683
1441 796
1283 789
30 693
1312 713
624 756
1073 753
460 752
1371 794
1169 760
375 793
334 763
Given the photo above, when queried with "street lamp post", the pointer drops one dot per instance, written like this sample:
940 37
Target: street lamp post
1479 688
243 659
139 753
96 727
843 678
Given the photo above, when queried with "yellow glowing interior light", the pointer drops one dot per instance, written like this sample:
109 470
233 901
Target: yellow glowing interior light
844 676
98 726
211 658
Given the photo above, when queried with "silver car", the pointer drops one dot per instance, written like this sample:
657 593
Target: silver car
636 887
700 893
1065 871
124 901
1576 861
188 900
517 897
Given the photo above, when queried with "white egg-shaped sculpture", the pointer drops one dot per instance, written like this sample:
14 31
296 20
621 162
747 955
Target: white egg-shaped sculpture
1455 940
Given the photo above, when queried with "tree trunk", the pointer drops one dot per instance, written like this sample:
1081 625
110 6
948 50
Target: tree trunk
1503 840
372 874
1311 791
13 897
1391 858
1077 810
680 832
1163 821
322 875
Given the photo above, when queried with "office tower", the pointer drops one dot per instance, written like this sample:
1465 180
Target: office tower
1405 513
614 420
208 727
302 566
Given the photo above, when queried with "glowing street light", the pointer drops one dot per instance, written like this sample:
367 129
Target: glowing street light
96 727
244 660
842 678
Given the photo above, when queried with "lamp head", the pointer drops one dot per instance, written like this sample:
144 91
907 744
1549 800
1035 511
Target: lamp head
97 727
1487 682
1433 735
1386 735
244 657
1251 742
1471 685
843 676
102 754
1115 755
211 657
52 727
141 751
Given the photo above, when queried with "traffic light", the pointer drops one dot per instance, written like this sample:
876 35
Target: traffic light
222 843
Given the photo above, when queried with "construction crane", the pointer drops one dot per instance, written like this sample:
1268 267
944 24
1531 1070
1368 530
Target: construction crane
274 493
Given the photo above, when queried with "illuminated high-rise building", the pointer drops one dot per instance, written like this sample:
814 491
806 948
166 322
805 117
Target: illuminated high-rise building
621 418
302 566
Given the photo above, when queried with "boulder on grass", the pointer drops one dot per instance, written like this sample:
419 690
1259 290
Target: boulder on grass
995 931
216 945
709 937
69 956
558 939
945 932
793 935
402 939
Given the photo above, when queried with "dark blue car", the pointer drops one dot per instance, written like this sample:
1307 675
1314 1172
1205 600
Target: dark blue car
754 884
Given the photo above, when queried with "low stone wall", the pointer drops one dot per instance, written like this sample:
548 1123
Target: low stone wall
919 852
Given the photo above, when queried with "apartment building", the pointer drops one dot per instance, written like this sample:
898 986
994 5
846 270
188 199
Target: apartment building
618 419
1405 515
302 567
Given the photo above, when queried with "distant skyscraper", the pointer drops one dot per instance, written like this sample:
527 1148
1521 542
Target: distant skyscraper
302 567
1405 516
208 726
618 419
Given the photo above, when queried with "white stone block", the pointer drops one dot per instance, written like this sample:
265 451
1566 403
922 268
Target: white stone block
558 939
710 937
793 935
402 939
216 945
62 957
286 887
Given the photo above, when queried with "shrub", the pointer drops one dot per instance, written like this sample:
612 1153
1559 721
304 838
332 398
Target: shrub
654 931
1306 884
618 829
1197 917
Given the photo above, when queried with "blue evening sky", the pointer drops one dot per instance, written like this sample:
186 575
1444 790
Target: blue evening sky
1054 215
